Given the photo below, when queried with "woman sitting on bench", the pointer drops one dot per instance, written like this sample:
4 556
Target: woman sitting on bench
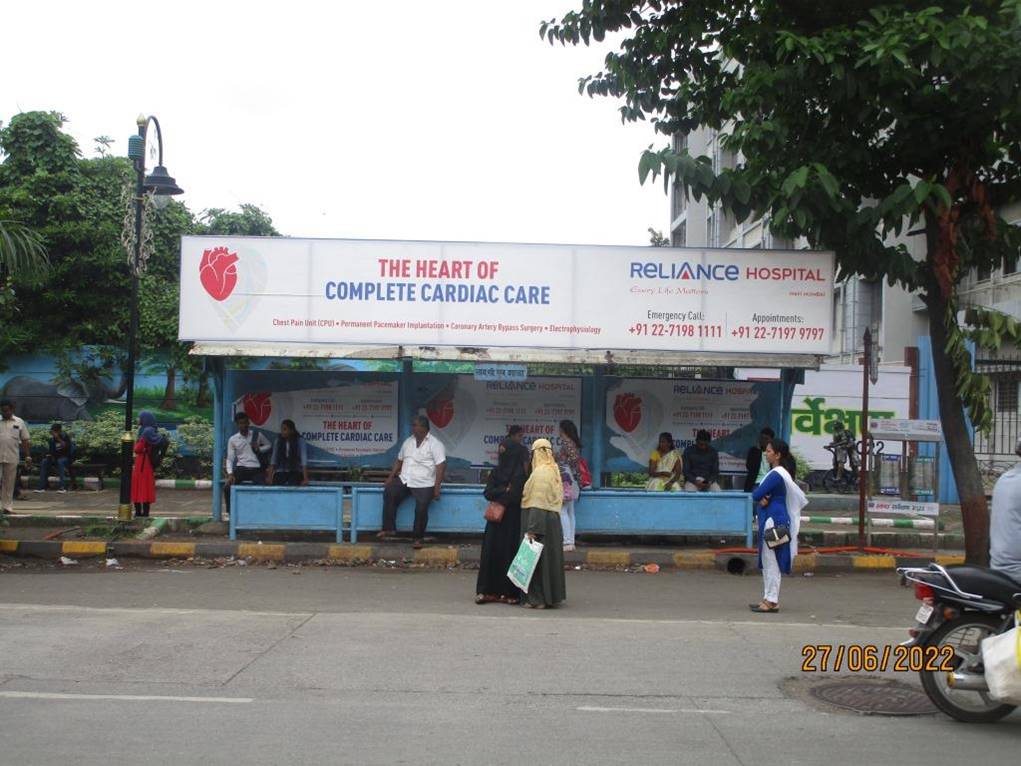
288 467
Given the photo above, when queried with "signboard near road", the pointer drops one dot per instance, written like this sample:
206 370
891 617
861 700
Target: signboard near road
238 289
350 420
471 416
903 508
732 411
897 429
833 393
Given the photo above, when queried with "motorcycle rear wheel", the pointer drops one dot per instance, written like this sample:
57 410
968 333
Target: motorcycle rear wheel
965 634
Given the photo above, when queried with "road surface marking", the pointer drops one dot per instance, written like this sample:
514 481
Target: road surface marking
651 710
121 697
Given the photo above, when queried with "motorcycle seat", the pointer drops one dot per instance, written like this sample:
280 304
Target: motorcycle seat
987 583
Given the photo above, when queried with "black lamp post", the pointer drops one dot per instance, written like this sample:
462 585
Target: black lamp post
161 184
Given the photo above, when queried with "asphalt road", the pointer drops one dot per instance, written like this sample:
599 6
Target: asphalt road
163 665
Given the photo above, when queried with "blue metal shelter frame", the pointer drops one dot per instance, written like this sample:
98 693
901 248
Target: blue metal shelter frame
605 511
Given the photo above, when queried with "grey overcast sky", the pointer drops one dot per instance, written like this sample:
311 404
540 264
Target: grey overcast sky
407 119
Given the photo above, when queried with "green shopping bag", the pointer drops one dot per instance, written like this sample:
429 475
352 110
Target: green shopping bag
523 566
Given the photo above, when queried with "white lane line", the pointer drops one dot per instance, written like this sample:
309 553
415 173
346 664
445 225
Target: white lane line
121 697
661 711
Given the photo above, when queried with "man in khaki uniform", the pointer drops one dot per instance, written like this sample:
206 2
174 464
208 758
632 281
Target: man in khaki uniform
13 443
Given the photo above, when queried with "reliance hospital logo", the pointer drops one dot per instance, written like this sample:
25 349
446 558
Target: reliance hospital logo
233 280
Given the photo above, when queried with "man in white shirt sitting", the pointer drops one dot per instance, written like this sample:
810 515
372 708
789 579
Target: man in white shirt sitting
418 472
247 457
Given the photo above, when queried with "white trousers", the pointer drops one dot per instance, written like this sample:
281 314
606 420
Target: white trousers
7 473
770 575
567 521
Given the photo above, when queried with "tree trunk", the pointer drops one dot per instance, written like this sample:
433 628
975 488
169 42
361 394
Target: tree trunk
960 450
170 392
202 397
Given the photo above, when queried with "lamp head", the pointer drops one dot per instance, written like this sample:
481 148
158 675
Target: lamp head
161 183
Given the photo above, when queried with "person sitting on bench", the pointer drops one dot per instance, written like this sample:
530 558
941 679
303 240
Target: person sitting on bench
60 453
288 467
701 465
418 471
247 457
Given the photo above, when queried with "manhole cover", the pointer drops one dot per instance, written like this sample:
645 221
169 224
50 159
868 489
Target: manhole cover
873 696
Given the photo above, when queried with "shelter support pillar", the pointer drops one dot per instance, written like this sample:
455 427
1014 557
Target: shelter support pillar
405 397
215 367
789 378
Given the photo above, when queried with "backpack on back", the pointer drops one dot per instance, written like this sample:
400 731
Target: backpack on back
158 451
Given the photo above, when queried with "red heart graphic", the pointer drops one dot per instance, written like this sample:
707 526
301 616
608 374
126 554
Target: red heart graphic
218 272
440 412
627 411
258 407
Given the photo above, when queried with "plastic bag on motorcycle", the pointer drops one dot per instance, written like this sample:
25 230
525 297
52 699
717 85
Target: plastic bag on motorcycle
1001 656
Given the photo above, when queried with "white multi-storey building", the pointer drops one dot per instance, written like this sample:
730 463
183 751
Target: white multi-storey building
896 317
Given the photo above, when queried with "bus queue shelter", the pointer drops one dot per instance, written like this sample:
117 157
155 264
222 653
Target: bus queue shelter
351 338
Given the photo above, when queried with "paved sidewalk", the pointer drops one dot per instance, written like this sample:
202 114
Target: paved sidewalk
89 502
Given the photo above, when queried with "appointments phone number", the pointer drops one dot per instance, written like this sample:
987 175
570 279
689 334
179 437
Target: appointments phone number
691 330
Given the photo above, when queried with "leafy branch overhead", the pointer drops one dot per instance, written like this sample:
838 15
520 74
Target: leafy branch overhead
887 132
847 123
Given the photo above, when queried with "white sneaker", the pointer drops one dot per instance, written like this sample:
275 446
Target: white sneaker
38 491
61 491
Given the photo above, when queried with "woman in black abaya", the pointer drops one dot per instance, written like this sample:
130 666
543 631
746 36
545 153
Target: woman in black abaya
502 538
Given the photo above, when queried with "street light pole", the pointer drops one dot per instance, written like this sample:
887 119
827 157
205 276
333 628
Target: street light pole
159 183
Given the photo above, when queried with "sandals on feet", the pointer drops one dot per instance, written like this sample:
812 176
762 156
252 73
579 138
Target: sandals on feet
764 608
483 598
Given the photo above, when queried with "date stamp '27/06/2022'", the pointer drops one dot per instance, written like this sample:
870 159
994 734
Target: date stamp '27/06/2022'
875 658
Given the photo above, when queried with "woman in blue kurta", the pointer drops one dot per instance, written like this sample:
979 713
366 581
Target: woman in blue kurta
778 503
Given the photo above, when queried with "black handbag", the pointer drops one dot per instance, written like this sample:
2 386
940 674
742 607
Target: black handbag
776 536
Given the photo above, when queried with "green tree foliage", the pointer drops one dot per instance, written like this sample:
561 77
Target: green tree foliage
249 222
50 194
159 291
852 123
72 204
22 253
656 238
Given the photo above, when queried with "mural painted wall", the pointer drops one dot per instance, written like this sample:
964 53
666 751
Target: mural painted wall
833 393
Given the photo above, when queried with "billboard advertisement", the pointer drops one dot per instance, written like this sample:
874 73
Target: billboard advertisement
237 289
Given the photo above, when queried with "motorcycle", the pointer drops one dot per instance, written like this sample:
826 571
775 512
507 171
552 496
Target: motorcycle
961 606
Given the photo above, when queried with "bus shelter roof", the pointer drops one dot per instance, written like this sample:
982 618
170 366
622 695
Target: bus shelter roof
520 355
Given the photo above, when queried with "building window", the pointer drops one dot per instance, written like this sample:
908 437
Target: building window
678 200
712 226
1009 266
984 273
860 308
1006 395
679 237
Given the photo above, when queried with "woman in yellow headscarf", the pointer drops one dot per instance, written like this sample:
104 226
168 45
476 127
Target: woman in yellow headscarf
541 503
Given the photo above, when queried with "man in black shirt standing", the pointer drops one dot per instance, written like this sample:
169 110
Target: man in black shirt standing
701 465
